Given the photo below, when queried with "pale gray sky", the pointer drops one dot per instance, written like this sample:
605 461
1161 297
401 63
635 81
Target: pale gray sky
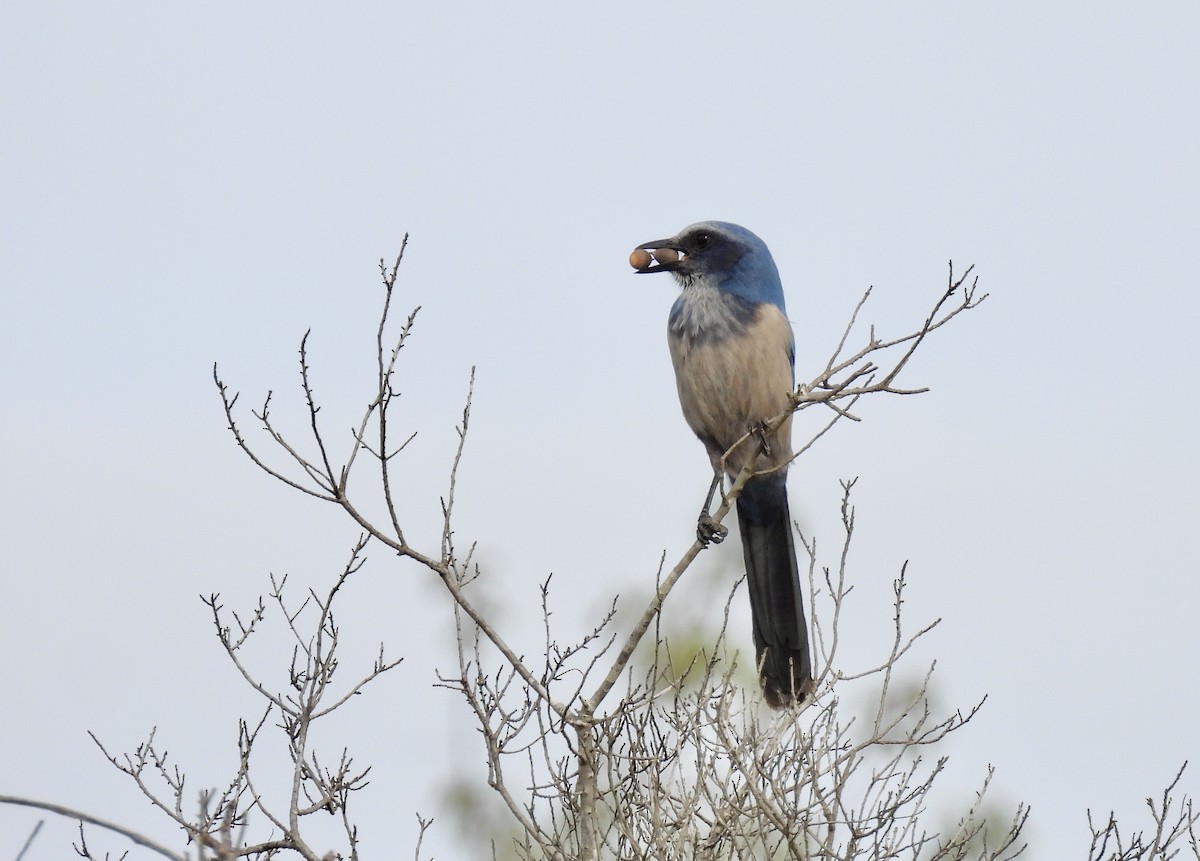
187 183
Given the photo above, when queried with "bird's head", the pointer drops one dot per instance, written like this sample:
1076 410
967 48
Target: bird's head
727 256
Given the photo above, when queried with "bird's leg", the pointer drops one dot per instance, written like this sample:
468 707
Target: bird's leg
708 530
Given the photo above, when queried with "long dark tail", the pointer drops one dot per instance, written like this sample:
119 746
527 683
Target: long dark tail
776 601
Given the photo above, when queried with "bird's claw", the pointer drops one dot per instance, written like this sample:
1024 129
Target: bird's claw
760 430
709 531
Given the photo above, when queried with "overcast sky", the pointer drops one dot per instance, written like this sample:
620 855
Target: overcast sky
190 183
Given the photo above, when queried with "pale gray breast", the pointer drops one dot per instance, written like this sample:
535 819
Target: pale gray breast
732 373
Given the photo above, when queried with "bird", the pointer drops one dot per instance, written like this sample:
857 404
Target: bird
733 350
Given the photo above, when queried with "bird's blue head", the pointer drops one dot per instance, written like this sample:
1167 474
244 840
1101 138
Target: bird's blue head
726 256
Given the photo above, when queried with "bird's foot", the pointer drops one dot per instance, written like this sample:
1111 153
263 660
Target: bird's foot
760 430
709 531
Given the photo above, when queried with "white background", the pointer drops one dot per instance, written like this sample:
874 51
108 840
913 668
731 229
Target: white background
185 183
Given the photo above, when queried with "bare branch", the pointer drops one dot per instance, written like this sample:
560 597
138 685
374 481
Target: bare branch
71 813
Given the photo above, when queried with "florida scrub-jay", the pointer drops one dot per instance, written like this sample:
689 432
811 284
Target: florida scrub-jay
733 351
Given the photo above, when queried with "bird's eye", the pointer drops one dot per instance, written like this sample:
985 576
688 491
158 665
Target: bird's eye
703 240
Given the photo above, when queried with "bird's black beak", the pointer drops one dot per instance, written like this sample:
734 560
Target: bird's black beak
661 255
